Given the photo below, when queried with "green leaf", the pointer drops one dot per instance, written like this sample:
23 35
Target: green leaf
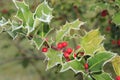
44 30
98 60
87 77
91 42
3 22
38 42
116 18
15 25
99 6
54 58
76 65
40 34
66 29
25 15
103 76
44 12
13 34
117 2
116 64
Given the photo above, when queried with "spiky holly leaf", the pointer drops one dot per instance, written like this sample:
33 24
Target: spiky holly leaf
116 18
101 48
13 34
25 15
38 42
66 29
103 76
15 25
54 58
40 34
44 12
98 60
87 77
116 64
91 42
76 65
3 24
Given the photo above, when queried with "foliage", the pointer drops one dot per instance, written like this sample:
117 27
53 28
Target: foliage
36 27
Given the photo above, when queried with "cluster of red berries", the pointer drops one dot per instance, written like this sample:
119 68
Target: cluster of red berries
67 51
116 42
118 78
62 46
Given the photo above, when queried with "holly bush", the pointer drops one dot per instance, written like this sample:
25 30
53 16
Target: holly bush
79 43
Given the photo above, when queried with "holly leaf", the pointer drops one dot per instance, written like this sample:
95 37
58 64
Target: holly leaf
117 2
116 64
98 60
38 42
25 15
54 58
3 22
103 76
44 30
87 77
66 29
99 6
116 18
40 35
15 25
44 12
91 42
76 65
101 48
13 34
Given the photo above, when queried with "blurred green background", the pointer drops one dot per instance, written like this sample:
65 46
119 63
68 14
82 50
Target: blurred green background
19 60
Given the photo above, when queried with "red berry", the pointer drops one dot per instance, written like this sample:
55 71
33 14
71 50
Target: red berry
86 66
59 46
118 42
118 78
104 13
113 42
108 28
44 49
69 50
77 47
66 55
64 44
75 55
4 11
